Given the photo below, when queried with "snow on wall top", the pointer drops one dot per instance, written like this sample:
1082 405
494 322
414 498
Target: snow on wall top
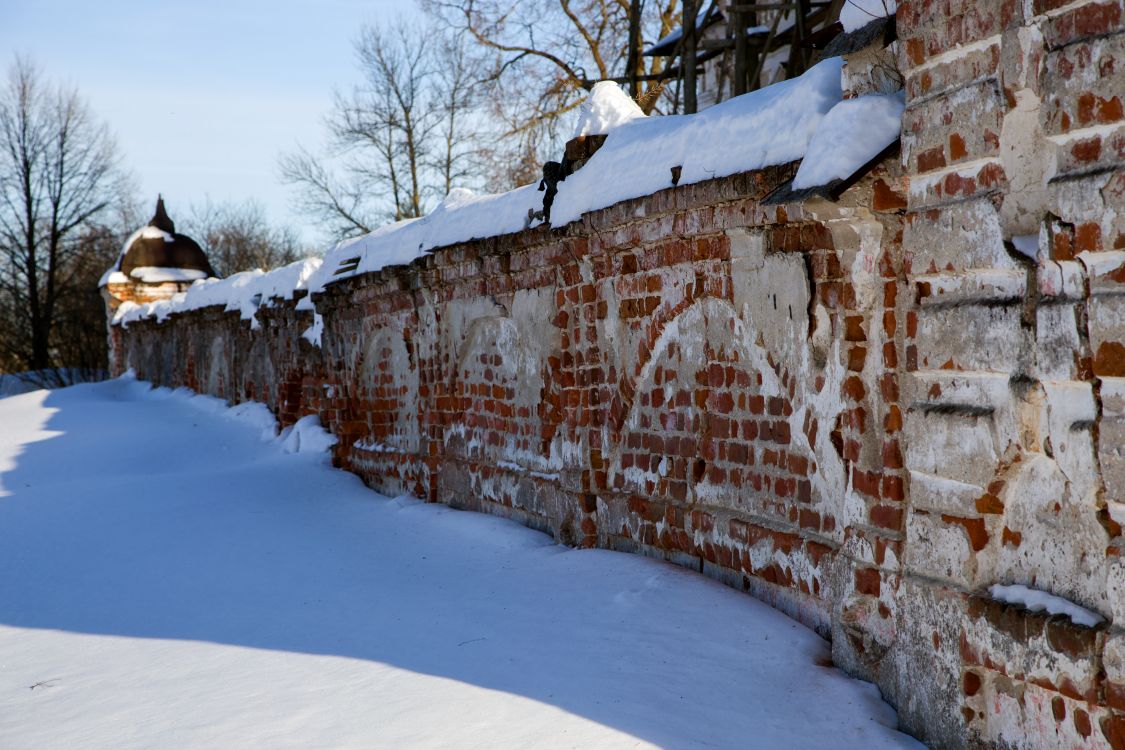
767 127
858 13
606 108
852 134
244 292
462 216
157 274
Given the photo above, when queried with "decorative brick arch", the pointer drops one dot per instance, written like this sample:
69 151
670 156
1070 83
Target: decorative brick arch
668 323
705 403
216 365
484 419
388 382
713 289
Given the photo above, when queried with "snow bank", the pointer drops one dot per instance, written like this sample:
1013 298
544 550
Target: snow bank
252 414
171 580
243 292
763 128
858 13
850 135
306 436
1039 601
606 108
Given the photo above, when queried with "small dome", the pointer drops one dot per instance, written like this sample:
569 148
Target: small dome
156 247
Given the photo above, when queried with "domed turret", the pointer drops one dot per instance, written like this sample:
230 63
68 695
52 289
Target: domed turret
157 251
155 263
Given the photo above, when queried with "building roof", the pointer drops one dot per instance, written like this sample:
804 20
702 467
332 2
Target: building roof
667 45
157 246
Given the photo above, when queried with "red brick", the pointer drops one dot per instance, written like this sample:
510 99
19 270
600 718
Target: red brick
930 160
974 528
885 198
867 581
887 516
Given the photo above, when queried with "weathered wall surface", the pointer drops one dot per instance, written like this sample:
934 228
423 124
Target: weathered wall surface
865 412
1014 138
690 375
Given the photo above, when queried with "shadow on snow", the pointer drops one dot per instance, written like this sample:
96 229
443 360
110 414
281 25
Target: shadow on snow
145 516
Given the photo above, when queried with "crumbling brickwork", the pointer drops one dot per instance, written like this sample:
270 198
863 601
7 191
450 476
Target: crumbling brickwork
691 375
1014 142
864 411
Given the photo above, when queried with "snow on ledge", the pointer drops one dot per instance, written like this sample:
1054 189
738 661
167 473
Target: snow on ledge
665 44
244 292
158 275
607 108
1039 601
768 127
315 332
764 128
853 133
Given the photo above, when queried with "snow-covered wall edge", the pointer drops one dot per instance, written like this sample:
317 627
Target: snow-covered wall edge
773 126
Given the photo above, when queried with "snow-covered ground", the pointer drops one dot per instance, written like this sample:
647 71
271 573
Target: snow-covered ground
169 578
12 384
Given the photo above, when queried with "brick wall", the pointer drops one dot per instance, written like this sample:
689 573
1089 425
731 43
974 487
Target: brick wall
1013 134
690 375
865 411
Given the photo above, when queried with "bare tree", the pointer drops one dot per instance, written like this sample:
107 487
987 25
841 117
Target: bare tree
389 111
238 237
398 139
543 55
59 177
78 341
456 97
341 203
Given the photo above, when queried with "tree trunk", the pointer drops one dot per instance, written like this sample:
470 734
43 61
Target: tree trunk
635 68
690 10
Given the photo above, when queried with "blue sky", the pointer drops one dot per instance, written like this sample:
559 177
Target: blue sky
202 95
